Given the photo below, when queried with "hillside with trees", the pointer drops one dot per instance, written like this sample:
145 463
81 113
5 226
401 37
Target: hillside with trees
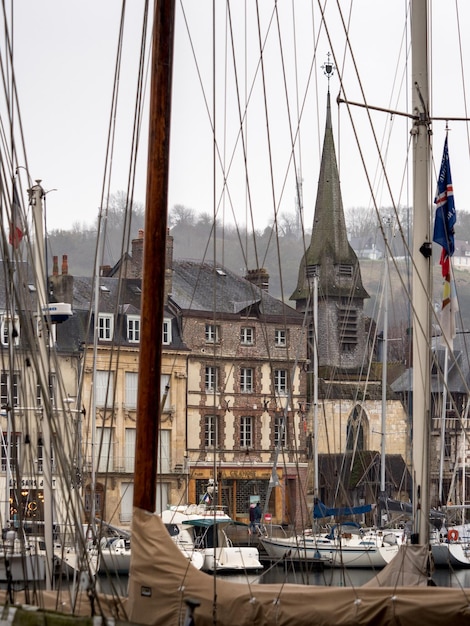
279 252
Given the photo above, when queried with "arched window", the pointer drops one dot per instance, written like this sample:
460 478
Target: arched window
356 429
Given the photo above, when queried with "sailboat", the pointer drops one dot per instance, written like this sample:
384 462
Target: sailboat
161 584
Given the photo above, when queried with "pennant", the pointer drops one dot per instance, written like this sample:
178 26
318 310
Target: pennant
449 309
16 228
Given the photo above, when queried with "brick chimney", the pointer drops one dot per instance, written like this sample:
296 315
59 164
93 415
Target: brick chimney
137 255
61 286
259 277
168 265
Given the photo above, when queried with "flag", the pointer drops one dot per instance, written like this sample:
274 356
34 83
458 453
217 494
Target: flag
444 223
16 228
449 309
445 209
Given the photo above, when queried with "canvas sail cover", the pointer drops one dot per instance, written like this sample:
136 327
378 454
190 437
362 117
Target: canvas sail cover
161 580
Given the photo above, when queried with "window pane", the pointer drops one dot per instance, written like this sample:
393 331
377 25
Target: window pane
131 390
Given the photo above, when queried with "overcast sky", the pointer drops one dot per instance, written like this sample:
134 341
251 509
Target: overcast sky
64 58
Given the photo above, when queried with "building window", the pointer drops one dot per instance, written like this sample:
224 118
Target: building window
105 327
133 328
104 449
280 436
40 451
165 389
12 457
247 336
280 338
131 390
280 382
129 458
9 389
246 380
246 432
355 428
167 338
10 330
212 333
52 392
210 431
165 455
211 378
104 395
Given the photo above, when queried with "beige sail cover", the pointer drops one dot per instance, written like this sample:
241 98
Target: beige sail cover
161 580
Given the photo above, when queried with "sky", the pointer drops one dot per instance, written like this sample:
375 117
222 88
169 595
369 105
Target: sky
64 63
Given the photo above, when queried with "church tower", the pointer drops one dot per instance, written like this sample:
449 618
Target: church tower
331 265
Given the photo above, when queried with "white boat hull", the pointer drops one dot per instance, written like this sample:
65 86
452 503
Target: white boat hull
330 553
236 558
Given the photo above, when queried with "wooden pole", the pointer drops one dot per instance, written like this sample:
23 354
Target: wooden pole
148 400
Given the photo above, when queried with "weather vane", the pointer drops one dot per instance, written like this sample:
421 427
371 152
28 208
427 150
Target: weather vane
328 68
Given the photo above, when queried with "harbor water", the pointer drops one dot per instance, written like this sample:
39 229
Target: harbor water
304 576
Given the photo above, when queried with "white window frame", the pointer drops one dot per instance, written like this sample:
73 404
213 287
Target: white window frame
15 441
133 328
246 431
247 335
210 431
165 451
278 422
280 337
131 384
105 326
52 391
211 382
104 388
129 453
104 452
212 333
9 322
167 334
246 379
280 382
5 388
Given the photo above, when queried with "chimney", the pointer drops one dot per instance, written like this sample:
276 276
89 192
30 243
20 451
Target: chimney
259 277
137 255
105 270
168 265
61 286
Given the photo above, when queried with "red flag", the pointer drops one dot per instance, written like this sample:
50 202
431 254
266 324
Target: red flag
16 227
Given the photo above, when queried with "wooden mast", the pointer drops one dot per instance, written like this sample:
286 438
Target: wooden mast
148 401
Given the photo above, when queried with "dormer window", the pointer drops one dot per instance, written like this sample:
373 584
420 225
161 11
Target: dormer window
133 328
167 338
105 327
10 330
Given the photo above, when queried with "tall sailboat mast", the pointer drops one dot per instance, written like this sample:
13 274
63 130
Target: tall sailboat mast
148 402
422 248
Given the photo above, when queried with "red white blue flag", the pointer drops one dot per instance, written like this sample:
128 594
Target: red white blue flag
445 218
444 235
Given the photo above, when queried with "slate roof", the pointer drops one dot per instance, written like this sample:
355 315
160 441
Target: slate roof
200 287
458 376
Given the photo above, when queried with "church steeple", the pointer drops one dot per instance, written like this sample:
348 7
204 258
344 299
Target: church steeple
331 258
